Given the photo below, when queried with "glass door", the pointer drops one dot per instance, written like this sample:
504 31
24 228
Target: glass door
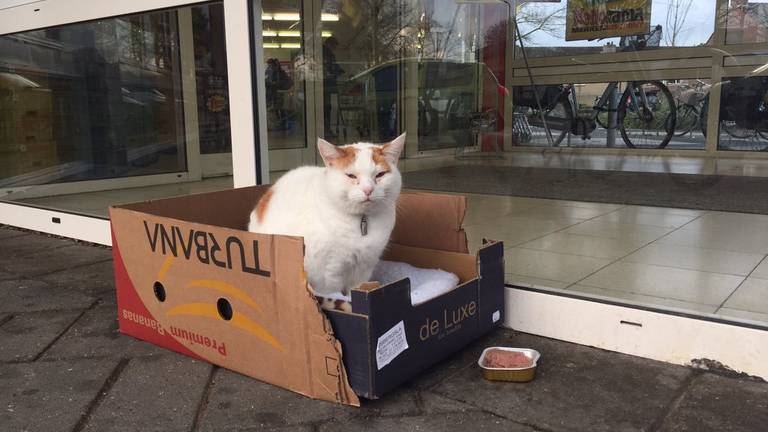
290 77
99 112
364 61
211 89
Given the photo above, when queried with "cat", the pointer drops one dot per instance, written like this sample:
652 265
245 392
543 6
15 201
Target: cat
345 211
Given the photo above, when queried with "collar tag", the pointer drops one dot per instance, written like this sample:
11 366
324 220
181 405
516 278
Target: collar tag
364 225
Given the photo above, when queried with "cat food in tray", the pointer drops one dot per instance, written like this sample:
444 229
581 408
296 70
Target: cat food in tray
190 278
509 364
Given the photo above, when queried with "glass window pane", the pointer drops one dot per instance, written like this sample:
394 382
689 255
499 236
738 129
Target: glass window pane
674 23
747 22
609 209
635 114
103 101
92 101
287 69
211 77
744 114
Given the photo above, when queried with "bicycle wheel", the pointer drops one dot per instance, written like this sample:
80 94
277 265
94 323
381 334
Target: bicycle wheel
687 119
559 119
651 125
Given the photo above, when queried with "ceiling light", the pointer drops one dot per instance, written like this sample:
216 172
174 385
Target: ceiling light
326 33
286 16
268 33
266 17
290 45
271 45
289 33
329 17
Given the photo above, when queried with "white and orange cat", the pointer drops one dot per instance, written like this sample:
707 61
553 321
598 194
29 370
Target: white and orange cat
345 211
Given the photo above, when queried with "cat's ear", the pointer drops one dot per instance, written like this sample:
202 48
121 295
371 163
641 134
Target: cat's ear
394 148
328 151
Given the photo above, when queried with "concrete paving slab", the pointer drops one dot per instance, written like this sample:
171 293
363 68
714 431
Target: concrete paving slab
477 421
96 334
51 260
153 394
461 360
237 401
5 275
26 335
49 396
618 392
18 246
431 403
715 403
95 280
33 295
7 232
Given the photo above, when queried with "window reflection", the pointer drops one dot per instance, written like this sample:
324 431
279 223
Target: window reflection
676 23
747 22
103 99
287 68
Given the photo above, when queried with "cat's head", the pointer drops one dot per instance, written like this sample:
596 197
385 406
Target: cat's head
363 176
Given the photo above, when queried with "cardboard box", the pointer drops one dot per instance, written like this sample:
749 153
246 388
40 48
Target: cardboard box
189 278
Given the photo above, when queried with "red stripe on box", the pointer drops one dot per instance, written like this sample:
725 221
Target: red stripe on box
128 300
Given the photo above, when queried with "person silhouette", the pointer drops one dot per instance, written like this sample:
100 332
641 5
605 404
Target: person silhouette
331 73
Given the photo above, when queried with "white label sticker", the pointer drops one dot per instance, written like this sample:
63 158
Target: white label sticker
390 345
496 316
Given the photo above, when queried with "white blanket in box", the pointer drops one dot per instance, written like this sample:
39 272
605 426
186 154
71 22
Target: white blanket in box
426 284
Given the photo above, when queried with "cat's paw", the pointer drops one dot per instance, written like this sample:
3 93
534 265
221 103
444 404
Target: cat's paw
329 303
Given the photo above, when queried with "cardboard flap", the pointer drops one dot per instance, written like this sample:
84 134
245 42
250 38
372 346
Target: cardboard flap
227 208
431 221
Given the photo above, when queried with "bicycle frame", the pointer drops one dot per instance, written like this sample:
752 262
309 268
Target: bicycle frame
603 101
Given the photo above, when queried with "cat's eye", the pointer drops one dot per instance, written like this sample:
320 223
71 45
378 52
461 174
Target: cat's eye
352 176
381 174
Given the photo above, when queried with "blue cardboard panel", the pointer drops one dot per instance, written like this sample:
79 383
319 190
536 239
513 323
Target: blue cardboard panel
433 330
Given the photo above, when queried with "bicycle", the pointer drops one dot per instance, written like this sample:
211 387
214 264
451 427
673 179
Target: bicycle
646 114
689 103
743 113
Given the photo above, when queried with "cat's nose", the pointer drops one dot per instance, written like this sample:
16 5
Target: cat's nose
367 190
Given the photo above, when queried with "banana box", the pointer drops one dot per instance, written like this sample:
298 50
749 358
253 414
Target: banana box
190 278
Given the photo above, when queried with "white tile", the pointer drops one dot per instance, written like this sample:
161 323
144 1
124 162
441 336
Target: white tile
762 270
693 258
642 217
591 246
752 295
476 234
719 221
483 211
756 317
666 282
550 265
633 232
533 282
643 300
558 212
734 239
603 207
666 210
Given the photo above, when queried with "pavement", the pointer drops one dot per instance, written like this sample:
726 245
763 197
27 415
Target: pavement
65 367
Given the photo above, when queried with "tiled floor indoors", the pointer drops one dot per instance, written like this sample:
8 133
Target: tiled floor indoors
687 260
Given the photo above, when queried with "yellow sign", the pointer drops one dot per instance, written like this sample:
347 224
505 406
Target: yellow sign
594 19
